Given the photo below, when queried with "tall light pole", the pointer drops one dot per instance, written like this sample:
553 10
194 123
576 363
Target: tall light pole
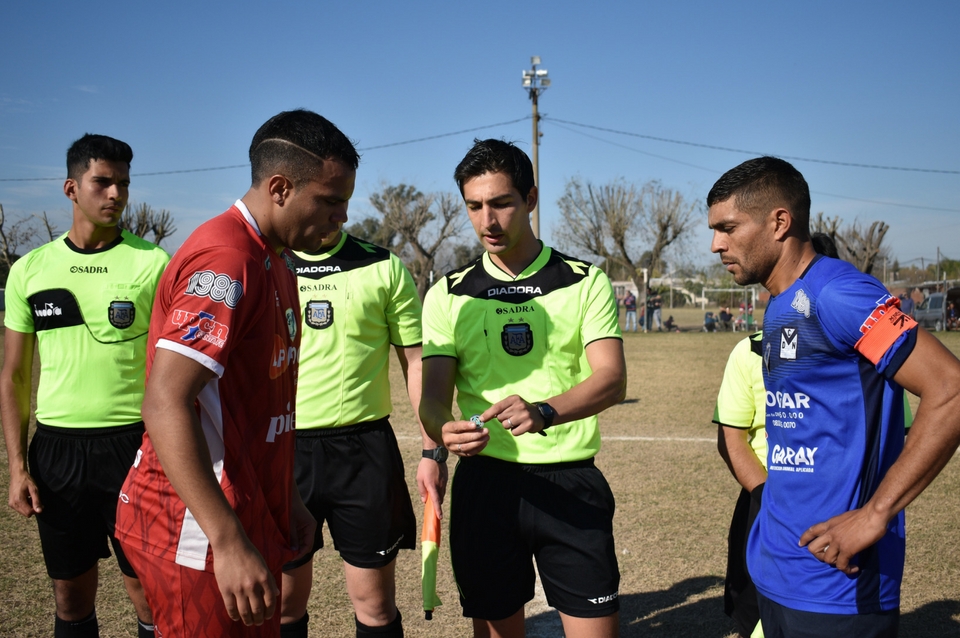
536 82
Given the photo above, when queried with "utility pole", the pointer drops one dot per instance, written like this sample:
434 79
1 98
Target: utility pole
536 82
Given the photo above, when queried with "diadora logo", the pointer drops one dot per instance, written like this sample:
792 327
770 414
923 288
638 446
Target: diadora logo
801 303
787 400
514 290
283 356
604 599
48 310
305 270
800 458
384 552
200 325
219 287
280 425
89 270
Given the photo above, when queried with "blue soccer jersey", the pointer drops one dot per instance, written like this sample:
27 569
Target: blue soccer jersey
835 424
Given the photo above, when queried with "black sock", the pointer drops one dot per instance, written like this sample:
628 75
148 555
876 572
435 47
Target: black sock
392 630
296 629
86 628
145 630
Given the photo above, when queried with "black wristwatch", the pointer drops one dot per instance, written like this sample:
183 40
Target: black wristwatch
438 454
548 414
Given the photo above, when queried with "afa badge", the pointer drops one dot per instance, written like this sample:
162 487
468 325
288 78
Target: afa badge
318 314
121 314
517 339
788 342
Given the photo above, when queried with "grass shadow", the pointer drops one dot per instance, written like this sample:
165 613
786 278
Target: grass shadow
681 610
936 619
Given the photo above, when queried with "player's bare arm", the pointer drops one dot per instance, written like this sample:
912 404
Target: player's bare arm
16 383
248 588
932 373
462 438
431 476
606 386
736 452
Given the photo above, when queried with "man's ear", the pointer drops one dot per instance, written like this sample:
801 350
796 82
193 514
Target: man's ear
532 198
783 220
70 188
279 188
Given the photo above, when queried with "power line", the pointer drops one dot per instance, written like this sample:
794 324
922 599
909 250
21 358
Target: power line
740 150
223 168
716 172
434 137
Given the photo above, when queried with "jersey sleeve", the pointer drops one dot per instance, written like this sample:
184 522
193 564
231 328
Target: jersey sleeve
600 309
18 315
214 297
403 307
736 404
438 339
858 313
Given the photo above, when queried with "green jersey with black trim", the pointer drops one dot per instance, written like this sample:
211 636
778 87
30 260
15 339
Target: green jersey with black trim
90 310
742 400
357 299
526 336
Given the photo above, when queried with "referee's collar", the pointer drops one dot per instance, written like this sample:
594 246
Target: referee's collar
497 273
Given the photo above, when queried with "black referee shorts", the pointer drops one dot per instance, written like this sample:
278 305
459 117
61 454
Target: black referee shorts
352 477
79 473
502 514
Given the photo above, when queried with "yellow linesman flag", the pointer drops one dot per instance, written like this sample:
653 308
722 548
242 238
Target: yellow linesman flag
430 548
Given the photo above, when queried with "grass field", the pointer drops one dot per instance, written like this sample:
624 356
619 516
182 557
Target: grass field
674 502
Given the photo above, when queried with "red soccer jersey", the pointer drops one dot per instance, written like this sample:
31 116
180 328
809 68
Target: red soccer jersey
229 302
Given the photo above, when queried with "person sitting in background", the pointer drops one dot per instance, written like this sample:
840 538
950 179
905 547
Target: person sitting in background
709 322
670 325
726 319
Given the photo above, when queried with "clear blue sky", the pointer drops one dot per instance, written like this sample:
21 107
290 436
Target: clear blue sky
187 84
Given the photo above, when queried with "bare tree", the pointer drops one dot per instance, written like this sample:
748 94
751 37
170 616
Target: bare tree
373 230
667 220
603 221
142 219
52 230
14 235
863 247
615 221
421 223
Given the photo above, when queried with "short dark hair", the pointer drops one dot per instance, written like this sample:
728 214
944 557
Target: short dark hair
763 183
295 144
496 156
91 148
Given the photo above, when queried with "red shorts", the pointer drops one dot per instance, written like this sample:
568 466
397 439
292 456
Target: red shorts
187 602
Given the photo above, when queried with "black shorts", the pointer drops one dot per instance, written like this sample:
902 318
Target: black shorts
352 477
739 593
502 514
783 622
79 473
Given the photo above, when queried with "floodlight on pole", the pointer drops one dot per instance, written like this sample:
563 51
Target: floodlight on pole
535 81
